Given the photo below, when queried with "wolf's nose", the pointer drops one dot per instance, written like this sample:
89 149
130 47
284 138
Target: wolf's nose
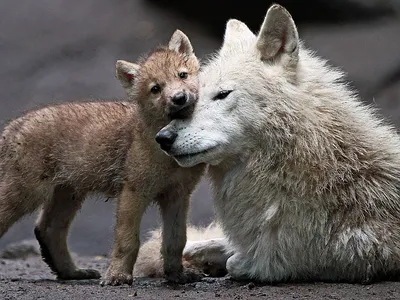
179 98
166 139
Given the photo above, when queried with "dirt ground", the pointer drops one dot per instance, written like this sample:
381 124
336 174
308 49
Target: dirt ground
31 279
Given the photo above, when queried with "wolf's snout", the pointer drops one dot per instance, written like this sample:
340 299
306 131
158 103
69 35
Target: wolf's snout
166 139
179 98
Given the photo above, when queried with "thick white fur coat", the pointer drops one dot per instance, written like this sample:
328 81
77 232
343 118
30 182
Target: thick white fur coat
306 178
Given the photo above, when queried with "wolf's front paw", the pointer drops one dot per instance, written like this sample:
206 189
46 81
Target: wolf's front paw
115 279
79 274
185 276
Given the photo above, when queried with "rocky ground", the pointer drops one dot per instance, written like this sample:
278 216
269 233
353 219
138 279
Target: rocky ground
31 279
23 275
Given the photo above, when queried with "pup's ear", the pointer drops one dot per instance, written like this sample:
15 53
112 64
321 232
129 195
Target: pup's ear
237 34
180 43
126 72
278 35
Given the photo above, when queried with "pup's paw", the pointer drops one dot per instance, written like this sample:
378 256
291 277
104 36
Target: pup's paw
185 276
117 279
79 274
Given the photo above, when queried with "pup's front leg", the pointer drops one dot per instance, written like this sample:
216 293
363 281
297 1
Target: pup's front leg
130 209
174 209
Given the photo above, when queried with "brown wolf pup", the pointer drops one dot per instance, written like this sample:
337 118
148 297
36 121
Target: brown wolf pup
54 157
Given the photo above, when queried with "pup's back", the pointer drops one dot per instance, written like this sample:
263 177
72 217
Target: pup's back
81 144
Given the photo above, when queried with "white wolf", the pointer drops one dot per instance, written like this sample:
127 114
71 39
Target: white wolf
306 178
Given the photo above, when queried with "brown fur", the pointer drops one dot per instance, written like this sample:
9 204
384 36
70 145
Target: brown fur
54 157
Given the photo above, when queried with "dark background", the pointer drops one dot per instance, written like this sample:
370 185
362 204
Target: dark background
65 50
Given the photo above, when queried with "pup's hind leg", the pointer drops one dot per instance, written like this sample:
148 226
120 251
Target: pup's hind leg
52 230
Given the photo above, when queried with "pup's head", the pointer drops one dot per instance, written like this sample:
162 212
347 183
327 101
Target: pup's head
242 89
165 82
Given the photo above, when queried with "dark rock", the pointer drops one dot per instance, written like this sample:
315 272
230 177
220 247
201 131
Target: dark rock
22 249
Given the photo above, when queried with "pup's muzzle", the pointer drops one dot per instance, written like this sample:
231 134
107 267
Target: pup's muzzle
181 105
179 99
166 139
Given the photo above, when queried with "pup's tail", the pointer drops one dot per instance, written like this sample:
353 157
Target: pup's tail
150 263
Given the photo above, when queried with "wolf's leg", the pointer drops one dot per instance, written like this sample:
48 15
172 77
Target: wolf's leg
208 255
131 206
13 205
174 207
51 232
238 266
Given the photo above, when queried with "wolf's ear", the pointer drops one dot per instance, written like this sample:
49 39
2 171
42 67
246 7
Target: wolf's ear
278 35
180 43
236 34
126 72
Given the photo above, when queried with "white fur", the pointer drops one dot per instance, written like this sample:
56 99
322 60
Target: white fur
206 250
306 178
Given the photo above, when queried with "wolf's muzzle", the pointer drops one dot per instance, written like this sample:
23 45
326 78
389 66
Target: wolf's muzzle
166 139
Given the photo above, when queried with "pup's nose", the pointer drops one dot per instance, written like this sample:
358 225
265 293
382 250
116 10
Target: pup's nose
179 98
166 139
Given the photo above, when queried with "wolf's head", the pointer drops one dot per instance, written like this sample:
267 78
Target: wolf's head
165 82
247 87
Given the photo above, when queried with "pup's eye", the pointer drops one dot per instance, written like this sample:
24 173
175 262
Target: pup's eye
222 95
155 89
183 75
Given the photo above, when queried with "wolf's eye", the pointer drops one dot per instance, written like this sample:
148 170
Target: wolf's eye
155 89
183 75
222 95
